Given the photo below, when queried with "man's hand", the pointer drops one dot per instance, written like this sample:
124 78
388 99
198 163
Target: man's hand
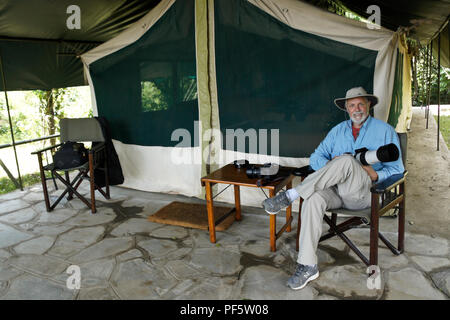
372 173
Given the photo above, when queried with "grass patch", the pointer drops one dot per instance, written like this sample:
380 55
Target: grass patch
444 127
6 185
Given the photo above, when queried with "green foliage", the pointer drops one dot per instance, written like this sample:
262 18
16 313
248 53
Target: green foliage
337 7
51 107
36 113
153 95
19 121
160 94
4 125
420 93
444 127
6 185
189 88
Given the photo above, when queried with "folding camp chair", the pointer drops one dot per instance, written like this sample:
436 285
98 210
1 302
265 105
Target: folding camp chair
386 195
77 130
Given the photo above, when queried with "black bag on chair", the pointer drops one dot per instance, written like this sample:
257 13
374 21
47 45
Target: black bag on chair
70 155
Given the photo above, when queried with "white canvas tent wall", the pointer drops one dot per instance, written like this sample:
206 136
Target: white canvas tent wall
151 168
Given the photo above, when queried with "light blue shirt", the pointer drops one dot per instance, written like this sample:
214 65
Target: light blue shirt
373 134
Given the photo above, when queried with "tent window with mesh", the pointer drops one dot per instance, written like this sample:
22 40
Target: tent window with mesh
271 76
148 89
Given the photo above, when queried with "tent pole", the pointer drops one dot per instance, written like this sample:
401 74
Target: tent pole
426 81
429 81
10 122
439 88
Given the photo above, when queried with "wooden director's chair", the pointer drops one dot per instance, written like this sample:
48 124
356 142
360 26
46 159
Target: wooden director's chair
77 130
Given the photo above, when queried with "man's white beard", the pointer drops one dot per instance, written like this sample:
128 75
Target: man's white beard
358 120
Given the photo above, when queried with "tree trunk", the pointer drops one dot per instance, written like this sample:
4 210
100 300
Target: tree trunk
416 84
50 114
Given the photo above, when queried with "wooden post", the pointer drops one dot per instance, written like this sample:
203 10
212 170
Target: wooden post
210 209
91 179
44 182
70 196
299 223
106 176
273 226
426 81
374 229
237 202
401 220
288 209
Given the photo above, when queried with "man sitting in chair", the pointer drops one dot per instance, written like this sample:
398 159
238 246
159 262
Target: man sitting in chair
339 179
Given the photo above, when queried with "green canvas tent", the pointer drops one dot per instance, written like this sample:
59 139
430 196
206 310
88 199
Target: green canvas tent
39 51
182 85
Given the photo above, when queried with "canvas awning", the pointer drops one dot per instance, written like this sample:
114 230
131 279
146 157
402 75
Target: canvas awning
423 18
40 52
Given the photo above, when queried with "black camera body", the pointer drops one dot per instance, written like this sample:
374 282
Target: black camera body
266 170
239 164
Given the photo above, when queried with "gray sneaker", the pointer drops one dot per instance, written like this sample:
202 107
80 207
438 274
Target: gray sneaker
275 204
302 275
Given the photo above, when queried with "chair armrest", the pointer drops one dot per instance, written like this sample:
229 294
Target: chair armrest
97 148
303 171
389 183
48 148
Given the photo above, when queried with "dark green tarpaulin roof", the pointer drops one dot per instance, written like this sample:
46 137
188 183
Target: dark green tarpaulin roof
39 51
422 17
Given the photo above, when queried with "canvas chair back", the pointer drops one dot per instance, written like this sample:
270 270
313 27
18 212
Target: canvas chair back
80 130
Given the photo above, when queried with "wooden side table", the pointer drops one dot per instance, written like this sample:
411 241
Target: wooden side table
229 174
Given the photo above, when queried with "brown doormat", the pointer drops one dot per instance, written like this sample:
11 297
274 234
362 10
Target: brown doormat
191 215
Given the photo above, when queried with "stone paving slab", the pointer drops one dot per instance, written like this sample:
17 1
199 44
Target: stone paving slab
137 279
97 273
38 264
38 245
12 205
105 248
133 226
442 280
10 236
18 217
409 284
97 294
76 240
56 216
207 288
28 287
266 282
429 264
87 219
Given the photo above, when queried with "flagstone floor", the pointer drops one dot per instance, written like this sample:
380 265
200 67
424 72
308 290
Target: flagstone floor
121 255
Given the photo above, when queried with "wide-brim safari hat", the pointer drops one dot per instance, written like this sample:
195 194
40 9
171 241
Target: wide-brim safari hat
355 93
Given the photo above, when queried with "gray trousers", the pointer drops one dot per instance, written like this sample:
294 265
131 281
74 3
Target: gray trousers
342 182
